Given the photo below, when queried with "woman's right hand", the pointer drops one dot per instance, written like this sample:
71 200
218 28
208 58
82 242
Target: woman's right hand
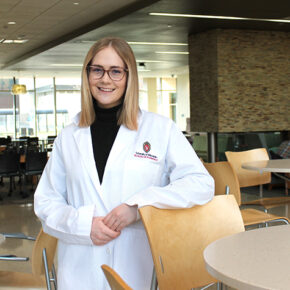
100 233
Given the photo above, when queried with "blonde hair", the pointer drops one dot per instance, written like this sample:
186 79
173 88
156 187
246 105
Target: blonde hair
129 112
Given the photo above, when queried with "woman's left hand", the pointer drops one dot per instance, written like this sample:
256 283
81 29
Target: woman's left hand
120 217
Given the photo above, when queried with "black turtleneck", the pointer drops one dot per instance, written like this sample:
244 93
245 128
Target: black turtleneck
104 131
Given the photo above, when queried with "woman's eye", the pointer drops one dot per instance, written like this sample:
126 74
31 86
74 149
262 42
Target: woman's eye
116 71
97 70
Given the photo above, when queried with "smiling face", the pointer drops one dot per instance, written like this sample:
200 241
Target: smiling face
106 92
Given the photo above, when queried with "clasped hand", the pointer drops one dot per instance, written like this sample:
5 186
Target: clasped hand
105 229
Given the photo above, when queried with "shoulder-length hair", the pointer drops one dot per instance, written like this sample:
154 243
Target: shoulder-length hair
130 109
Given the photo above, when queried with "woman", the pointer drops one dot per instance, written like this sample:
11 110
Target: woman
111 160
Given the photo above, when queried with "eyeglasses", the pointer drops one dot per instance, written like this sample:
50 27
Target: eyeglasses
115 73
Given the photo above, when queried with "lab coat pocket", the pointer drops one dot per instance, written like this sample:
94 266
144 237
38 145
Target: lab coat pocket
138 175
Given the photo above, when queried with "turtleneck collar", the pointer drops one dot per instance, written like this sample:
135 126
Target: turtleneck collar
106 115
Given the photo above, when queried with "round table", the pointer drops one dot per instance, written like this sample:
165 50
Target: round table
2 238
255 259
276 165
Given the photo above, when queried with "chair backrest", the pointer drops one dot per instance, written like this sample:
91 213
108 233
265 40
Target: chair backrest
178 238
9 162
224 175
48 242
114 280
35 161
249 177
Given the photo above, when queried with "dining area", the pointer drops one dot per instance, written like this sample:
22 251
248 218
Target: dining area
22 161
224 244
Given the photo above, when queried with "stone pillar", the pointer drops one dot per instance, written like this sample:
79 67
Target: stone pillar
239 81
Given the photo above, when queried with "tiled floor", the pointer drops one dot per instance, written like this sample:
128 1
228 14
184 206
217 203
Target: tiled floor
17 215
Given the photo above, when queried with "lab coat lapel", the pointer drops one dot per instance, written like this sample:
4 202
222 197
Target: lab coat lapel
124 138
83 140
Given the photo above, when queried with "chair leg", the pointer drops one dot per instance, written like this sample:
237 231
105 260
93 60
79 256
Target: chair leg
154 280
47 278
261 190
220 286
10 186
54 277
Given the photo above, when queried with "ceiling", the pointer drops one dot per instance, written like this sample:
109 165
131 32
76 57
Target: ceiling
60 32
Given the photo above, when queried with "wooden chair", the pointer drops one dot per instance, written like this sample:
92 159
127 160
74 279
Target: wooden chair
224 176
114 280
178 237
252 178
42 266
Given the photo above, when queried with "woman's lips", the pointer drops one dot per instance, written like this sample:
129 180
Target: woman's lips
106 89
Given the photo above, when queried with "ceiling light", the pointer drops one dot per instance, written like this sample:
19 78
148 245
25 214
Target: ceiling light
18 89
1 40
219 17
11 22
146 60
156 43
173 52
66 64
8 41
76 3
142 70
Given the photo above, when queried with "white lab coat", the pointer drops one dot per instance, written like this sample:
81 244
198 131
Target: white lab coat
69 194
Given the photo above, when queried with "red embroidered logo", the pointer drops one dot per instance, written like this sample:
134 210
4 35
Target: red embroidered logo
146 155
146 146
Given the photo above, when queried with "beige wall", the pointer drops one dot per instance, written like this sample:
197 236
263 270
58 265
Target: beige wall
240 81
152 94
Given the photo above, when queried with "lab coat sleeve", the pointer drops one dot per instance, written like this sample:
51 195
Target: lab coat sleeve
189 182
58 218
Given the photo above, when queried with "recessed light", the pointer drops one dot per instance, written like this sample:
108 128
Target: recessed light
142 70
76 3
218 17
148 60
11 22
173 52
18 41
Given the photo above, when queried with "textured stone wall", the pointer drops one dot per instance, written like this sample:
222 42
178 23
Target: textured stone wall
203 82
252 75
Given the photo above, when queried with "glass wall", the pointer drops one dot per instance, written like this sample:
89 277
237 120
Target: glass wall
51 103
25 104
166 97
47 107
7 117
68 100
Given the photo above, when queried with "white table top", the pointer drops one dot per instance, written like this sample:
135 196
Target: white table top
276 165
255 259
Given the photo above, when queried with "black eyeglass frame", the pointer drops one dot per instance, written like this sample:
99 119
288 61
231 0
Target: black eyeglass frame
107 71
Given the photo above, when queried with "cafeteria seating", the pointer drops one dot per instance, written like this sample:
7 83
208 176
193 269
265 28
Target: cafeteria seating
226 182
253 178
32 144
114 280
49 143
9 167
43 273
34 165
178 237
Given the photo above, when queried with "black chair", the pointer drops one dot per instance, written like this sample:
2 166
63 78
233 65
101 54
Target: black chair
34 165
32 144
10 167
49 143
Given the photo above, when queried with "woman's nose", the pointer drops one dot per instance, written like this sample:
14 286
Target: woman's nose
106 77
